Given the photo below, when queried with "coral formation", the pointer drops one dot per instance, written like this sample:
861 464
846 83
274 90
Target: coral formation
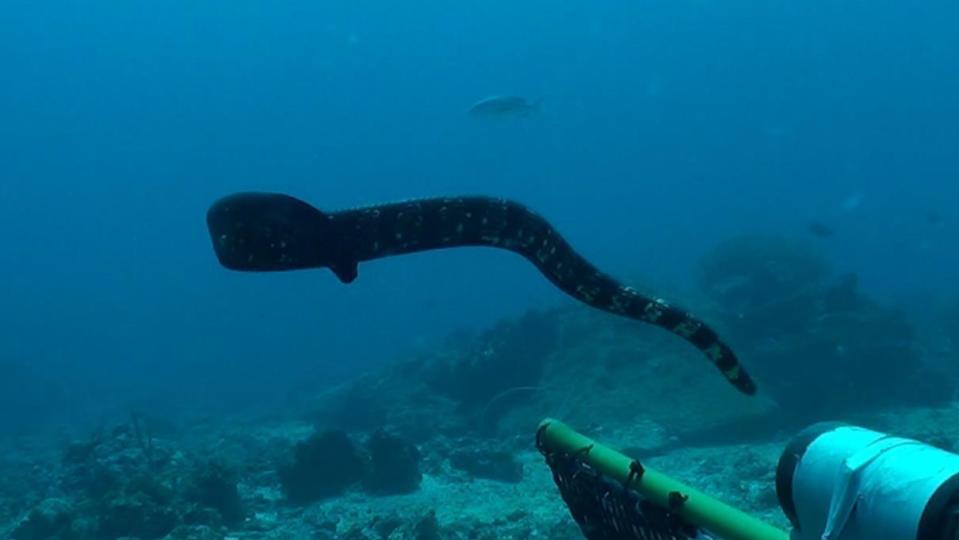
323 466
393 465
467 409
805 333
765 286
508 356
52 518
489 464
121 483
137 513
213 485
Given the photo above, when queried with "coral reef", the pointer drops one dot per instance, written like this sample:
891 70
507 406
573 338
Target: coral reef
397 397
197 493
765 286
393 465
323 466
213 485
141 511
52 518
466 384
508 356
439 445
805 333
489 464
328 463
125 480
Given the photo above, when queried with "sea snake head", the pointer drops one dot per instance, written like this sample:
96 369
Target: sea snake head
270 232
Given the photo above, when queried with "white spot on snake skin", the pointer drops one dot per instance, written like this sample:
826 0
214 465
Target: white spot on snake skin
734 373
714 352
653 311
583 293
687 328
620 302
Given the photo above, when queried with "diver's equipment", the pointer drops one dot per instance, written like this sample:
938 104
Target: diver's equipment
613 497
834 482
840 482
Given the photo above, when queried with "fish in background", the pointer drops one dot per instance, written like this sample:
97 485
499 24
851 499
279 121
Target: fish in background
820 230
503 106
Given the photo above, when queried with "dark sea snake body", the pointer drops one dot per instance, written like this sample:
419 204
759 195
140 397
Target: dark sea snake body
274 232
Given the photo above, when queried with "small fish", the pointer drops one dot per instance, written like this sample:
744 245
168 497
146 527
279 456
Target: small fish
504 106
821 231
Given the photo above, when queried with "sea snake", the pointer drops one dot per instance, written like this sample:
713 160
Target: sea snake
262 232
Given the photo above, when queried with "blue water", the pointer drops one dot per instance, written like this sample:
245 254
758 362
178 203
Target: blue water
666 127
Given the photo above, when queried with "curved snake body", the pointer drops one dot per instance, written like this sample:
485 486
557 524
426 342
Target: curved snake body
275 232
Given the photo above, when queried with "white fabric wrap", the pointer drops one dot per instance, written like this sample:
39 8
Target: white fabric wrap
857 484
